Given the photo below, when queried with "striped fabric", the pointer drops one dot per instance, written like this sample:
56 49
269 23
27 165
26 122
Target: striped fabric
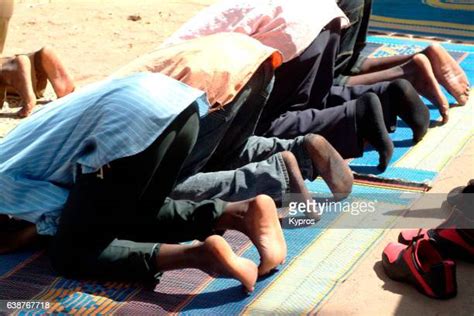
320 257
89 128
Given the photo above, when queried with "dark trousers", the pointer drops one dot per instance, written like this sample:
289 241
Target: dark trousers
353 38
304 99
114 220
225 131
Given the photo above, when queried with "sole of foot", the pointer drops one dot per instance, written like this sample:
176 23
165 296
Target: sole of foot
420 74
448 73
226 262
328 163
264 230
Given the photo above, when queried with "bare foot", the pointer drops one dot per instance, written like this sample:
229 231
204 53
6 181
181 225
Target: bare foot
420 73
448 72
257 219
218 257
262 226
329 164
16 73
297 185
48 65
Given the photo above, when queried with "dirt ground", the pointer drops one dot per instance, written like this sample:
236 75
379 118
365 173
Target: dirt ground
96 37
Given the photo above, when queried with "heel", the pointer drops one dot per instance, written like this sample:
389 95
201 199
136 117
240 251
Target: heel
443 279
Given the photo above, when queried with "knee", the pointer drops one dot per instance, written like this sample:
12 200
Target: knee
400 87
188 135
46 50
369 99
316 140
290 163
288 158
19 61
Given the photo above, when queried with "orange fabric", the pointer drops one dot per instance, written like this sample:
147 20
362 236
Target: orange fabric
219 64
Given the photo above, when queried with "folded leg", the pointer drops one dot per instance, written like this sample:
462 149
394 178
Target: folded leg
305 81
269 166
336 124
268 177
232 124
102 207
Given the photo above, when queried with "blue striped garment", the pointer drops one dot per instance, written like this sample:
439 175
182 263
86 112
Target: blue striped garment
89 128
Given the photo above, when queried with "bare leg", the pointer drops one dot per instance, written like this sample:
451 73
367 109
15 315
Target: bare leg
213 256
6 11
377 64
419 72
3 32
49 66
297 185
330 165
448 72
258 219
16 72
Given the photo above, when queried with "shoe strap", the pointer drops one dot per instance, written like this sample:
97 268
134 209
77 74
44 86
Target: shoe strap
418 236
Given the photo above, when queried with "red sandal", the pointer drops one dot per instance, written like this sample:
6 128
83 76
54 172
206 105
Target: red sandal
451 242
421 265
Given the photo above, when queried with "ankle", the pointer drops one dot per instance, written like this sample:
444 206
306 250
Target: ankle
233 217
196 255
172 257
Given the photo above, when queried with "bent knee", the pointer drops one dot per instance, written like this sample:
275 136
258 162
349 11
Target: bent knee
401 87
369 98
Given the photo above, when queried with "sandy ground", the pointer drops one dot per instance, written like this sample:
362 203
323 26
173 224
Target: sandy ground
94 38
